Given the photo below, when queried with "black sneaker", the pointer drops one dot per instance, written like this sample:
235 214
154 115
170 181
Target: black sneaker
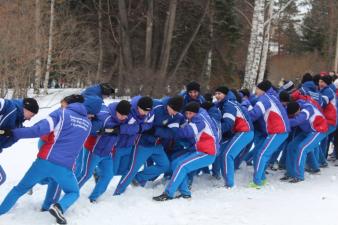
324 165
162 197
314 171
56 211
183 196
93 201
285 178
295 180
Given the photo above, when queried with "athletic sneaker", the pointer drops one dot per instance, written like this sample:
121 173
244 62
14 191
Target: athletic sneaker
56 211
162 197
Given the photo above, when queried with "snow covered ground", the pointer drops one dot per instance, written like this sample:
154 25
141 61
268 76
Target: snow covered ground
314 201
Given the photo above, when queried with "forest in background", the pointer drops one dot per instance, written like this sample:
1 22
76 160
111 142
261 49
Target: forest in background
154 47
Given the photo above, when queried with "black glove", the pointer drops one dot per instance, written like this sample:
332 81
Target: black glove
6 133
109 131
151 131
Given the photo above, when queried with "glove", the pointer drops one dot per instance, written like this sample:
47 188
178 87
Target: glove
151 131
109 131
6 133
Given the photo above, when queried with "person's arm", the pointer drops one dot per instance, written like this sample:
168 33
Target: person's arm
300 118
42 127
228 118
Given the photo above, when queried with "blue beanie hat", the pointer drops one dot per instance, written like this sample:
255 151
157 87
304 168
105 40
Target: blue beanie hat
93 104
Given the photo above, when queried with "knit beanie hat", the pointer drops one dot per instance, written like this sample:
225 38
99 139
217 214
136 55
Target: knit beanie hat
145 103
106 89
192 107
193 86
292 108
123 107
222 89
307 77
207 105
31 105
284 96
327 79
245 92
176 103
208 97
73 99
264 85
288 85
93 104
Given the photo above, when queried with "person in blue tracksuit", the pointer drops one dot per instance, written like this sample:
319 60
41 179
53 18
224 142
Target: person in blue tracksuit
68 128
143 116
114 122
203 134
192 93
216 117
237 129
328 92
103 90
151 146
313 126
12 114
272 117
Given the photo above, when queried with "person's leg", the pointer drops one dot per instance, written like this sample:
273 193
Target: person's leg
308 144
140 155
120 160
91 163
52 195
188 164
35 173
161 166
270 145
233 148
69 185
107 173
82 168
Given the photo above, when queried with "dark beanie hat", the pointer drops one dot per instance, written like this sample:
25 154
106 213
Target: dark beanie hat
74 99
208 97
316 79
176 103
264 85
123 107
292 108
192 107
193 86
31 105
93 104
284 96
245 92
106 89
288 85
222 89
307 77
207 105
327 79
145 103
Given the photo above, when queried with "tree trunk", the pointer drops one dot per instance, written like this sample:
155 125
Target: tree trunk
192 38
149 33
50 46
266 42
100 62
251 76
38 41
125 39
336 57
167 38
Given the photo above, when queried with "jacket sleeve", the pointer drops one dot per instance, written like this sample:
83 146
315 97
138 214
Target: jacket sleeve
131 127
148 122
327 96
191 130
42 127
258 110
300 118
228 117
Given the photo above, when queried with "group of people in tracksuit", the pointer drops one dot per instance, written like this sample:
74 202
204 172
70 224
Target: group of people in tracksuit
173 138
